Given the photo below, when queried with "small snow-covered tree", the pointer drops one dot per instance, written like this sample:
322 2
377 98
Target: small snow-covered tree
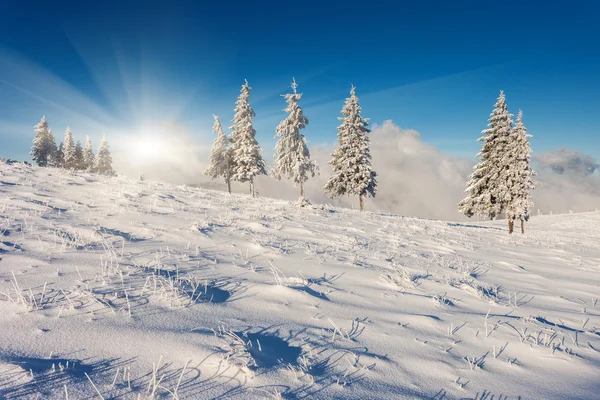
486 184
352 170
246 161
69 150
219 165
44 144
88 155
58 161
292 158
52 148
103 163
519 175
79 164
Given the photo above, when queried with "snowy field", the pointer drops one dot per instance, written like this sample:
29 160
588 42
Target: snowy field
114 288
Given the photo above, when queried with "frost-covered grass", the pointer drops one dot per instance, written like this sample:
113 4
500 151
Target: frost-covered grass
117 288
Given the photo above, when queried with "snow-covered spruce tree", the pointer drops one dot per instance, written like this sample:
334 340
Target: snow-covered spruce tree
519 175
219 165
79 164
292 158
58 161
485 185
44 145
69 150
88 155
53 156
246 161
352 171
103 163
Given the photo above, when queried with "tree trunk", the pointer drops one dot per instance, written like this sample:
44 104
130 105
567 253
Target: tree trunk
252 187
510 225
361 202
229 186
523 226
301 189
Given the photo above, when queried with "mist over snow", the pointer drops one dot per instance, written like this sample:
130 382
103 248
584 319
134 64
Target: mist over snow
567 181
170 153
415 178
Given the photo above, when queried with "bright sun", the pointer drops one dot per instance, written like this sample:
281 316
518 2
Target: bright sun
147 148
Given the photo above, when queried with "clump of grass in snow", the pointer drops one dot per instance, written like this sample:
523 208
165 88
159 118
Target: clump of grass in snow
402 277
482 290
461 265
442 299
26 297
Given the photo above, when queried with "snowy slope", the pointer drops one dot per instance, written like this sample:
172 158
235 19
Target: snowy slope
120 288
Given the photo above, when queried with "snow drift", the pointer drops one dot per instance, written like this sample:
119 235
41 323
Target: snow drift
125 288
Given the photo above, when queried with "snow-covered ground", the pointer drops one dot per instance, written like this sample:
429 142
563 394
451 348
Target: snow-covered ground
117 288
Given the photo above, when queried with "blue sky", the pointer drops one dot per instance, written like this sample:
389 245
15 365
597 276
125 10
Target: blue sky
432 66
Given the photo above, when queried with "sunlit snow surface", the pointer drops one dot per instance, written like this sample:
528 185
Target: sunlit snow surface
127 288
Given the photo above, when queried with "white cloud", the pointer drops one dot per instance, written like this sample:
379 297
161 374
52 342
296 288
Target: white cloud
567 161
567 181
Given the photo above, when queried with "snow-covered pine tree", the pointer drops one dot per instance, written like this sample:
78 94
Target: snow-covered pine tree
69 150
103 164
352 171
485 185
292 158
44 145
79 165
219 165
519 175
52 149
88 155
58 161
246 160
